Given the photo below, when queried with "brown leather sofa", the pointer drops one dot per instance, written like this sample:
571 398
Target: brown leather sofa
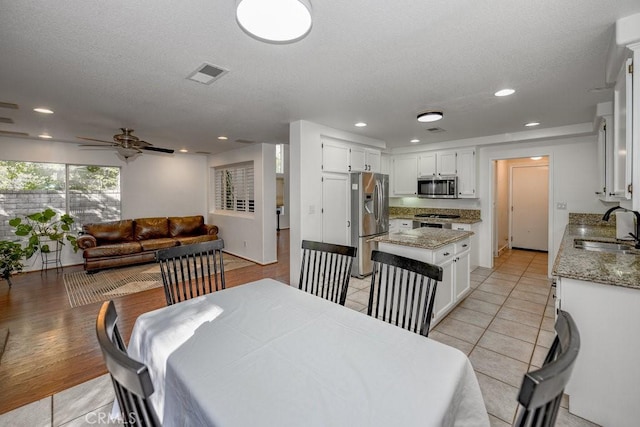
134 241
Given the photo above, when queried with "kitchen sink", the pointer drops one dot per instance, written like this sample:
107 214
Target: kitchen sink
614 247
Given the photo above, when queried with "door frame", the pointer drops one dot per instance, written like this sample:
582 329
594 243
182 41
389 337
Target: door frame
492 160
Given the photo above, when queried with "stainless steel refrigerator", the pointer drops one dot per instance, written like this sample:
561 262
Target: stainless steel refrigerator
369 216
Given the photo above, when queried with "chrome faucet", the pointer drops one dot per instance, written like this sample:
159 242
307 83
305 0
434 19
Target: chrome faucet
607 214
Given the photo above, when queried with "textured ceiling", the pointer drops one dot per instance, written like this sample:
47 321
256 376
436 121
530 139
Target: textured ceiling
105 65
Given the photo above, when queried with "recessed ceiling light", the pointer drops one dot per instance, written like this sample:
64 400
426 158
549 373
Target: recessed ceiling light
222 138
415 141
183 150
275 21
43 110
430 116
531 124
45 136
360 124
505 92
536 158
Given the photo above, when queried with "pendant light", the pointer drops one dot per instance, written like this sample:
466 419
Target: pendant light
275 21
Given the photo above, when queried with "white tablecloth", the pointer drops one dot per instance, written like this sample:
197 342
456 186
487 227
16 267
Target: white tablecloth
271 355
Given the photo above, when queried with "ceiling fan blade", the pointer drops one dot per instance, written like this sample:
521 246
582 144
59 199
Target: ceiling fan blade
142 144
96 140
161 150
97 145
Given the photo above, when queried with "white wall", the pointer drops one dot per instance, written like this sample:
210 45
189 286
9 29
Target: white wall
305 139
250 235
151 184
284 218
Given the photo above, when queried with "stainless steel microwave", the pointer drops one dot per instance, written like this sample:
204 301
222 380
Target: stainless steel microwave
440 187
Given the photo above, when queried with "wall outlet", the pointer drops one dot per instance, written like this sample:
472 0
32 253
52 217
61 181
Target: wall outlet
561 205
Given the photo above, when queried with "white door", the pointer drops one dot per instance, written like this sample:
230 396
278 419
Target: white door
335 209
530 207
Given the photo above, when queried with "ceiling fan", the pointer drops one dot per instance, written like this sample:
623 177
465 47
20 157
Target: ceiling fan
126 144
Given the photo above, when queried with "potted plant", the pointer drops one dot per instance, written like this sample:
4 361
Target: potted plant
10 259
43 227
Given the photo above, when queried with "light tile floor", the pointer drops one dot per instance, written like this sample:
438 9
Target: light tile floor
505 326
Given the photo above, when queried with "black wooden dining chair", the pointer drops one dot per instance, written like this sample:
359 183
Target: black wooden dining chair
131 379
541 390
191 270
326 269
403 291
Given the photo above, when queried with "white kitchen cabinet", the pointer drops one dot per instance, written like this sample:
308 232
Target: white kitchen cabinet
474 256
466 167
335 156
446 162
364 160
445 297
604 118
336 209
427 164
396 225
623 132
603 387
461 271
454 260
405 175
437 163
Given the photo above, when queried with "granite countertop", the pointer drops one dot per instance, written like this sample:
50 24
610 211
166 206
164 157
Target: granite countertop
438 220
424 238
600 267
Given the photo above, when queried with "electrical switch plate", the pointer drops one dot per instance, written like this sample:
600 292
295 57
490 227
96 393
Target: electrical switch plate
561 205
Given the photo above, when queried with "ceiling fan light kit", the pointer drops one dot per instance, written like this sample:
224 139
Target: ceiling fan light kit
275 21
126 144
430 116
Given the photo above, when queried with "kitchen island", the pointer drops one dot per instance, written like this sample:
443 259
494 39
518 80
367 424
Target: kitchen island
601 291
449 249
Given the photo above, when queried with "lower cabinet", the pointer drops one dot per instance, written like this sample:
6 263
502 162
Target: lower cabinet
603 387
454 260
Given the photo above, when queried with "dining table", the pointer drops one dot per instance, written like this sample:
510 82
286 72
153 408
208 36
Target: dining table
268 354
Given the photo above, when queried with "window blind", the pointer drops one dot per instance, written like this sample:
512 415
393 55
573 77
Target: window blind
234 188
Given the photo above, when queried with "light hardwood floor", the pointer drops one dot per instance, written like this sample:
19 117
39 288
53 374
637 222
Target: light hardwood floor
53 347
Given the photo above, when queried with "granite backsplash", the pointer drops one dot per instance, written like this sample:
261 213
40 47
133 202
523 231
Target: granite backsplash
590 219
407 211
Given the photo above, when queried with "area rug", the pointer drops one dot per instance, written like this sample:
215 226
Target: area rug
103 285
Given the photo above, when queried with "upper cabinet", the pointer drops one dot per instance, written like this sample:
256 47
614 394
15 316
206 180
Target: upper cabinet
622 132
436 163
460 162
335 156
364 159
604 119
405 175
466 166
342 157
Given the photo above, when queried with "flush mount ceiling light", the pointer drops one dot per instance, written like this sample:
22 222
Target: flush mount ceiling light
275 21
414 141
222 138
505 92
430 116
45 136
532 124
43 110
536 158
360 124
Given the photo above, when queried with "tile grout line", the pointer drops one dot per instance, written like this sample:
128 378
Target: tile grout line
487 328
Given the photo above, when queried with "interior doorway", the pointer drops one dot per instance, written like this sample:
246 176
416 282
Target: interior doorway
521 204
